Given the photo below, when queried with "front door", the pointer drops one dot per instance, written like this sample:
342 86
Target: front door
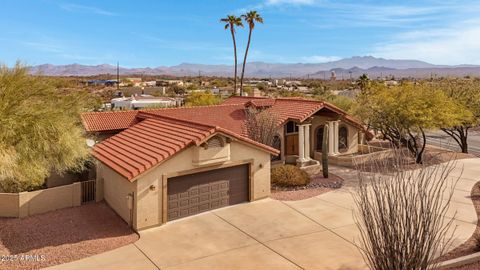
291 147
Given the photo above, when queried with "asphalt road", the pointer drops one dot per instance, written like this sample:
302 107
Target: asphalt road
441 139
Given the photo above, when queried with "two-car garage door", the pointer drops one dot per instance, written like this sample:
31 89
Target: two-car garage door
195 193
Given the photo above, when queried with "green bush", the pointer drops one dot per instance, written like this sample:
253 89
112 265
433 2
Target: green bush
289 175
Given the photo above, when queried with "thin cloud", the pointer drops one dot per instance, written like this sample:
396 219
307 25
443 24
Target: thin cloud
319 59
289 2
453 45
86 9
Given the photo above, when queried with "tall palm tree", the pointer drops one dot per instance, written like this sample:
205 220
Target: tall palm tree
233 21
251 18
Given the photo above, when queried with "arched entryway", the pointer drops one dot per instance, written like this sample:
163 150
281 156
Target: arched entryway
319 138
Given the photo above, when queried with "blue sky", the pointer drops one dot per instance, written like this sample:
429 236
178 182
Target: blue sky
168 32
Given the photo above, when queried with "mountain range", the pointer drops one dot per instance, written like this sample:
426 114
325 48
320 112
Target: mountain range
344 68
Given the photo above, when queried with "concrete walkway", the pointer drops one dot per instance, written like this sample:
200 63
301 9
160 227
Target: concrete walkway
316 233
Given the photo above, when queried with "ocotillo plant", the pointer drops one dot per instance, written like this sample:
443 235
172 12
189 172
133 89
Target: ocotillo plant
325 152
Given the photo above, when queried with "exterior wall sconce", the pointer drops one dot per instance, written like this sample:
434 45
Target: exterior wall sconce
152 188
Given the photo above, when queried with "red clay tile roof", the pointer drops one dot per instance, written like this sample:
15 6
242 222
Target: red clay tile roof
152 136
154 140
298 109
108 121
231 117
268 102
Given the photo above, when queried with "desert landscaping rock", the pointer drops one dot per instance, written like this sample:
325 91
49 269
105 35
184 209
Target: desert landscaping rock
317 186
61 236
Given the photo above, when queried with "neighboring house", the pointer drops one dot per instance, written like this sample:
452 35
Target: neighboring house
102 82
136 102
149 84
159 165
134 81
170 82
390 83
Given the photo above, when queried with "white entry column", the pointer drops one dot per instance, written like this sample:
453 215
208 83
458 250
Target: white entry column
307 142
332 137
335 143
301 144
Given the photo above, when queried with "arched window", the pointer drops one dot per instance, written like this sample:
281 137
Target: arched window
343 138
319 138
277 144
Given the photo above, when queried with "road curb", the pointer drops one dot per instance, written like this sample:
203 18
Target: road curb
468 259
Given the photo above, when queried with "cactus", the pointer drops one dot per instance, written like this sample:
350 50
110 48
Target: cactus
325 152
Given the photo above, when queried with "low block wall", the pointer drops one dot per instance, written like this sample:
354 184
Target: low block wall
9 204
25 204
357 160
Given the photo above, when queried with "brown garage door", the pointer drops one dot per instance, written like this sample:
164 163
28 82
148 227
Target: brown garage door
199 192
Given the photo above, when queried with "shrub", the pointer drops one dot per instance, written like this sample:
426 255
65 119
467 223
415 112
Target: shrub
289 175
401 214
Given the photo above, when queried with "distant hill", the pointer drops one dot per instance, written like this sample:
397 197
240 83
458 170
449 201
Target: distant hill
355 66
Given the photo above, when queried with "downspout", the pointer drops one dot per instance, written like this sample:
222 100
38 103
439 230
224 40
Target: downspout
130 204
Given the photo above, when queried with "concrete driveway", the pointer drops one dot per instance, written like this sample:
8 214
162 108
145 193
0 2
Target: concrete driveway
316 233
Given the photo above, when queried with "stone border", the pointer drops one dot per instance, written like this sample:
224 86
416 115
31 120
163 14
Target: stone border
460 261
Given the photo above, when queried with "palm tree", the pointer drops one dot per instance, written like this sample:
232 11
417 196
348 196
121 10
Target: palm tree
233 21
251 18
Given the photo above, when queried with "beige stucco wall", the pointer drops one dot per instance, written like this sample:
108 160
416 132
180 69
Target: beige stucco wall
115 190
46 200
318 121
9 205
149 203
41 201
55 179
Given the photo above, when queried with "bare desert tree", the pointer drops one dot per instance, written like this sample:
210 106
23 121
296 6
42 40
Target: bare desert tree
401 213
261 126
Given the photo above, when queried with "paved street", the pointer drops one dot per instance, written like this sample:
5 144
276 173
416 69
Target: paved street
316 233
441 139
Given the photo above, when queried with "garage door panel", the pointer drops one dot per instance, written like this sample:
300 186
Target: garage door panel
196 193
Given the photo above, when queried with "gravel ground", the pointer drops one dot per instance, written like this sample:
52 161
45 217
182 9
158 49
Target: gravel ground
317 186
61 236
431 156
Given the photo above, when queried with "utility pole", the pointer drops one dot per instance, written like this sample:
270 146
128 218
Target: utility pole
118 76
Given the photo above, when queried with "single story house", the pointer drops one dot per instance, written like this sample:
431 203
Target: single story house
159 165
136 102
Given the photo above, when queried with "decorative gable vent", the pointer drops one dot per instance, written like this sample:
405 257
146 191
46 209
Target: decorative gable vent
215 142
214 151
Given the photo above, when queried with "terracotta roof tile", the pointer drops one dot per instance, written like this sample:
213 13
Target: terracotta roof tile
154 140
231 117
293 108
152 136
108 121
146 144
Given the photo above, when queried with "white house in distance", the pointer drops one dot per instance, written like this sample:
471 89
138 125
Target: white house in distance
142 101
